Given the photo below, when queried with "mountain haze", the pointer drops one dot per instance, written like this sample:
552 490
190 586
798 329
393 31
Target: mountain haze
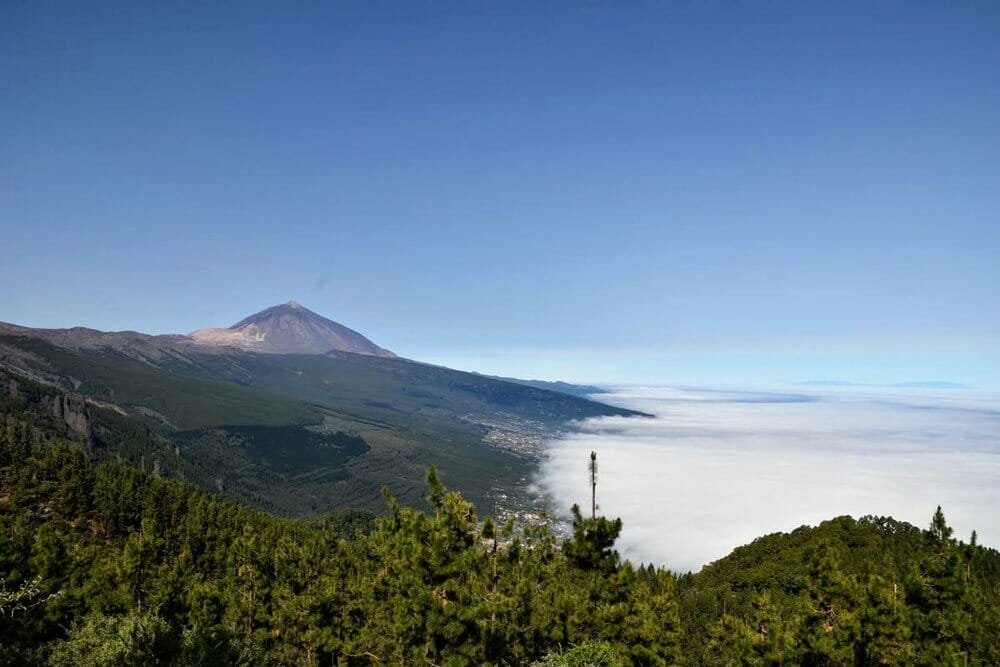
290 328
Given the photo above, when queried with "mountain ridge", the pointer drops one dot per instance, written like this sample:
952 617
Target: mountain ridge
288 328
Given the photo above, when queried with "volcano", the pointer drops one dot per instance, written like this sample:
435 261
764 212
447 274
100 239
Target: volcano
290 328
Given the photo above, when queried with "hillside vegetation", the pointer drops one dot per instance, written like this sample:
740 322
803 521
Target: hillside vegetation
102 564
259 426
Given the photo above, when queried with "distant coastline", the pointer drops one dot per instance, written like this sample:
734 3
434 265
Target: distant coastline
923 384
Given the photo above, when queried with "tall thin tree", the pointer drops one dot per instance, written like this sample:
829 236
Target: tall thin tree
592 467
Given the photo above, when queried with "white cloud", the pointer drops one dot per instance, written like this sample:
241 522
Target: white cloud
716 469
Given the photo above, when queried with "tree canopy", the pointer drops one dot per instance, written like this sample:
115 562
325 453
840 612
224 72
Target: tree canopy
101 564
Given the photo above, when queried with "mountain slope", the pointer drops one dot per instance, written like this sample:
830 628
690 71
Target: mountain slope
290 328
295 434
583 390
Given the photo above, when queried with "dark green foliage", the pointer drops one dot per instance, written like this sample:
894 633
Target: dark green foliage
871 591
592 545
104 564
592 654
132 640
830 627
140 569
293 453
884 634
938 593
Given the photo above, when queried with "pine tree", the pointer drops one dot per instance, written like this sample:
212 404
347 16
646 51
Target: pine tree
938 594
138 560
646 623
830 626
773 639
730 643
246 591
592 469
19 443
884 637
592 546
134 640
762 638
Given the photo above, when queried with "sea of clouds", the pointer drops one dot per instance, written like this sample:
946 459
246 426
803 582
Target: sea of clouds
715 469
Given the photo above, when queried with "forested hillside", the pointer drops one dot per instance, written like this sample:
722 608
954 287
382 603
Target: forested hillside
269 429
102 564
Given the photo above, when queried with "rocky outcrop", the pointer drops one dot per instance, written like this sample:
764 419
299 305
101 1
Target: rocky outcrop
72 410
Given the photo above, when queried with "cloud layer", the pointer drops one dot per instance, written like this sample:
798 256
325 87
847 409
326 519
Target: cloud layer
716 469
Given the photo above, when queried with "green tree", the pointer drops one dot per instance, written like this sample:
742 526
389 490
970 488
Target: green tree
134 640
830 625
592 546
589 654
884 637
139 558
938 595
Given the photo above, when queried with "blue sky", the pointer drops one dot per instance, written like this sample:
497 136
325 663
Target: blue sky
671 192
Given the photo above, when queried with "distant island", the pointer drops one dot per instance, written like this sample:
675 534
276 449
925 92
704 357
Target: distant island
923 384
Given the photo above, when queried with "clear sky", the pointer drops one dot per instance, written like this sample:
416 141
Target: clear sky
626 191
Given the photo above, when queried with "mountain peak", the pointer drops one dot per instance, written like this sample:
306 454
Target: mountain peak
290 328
